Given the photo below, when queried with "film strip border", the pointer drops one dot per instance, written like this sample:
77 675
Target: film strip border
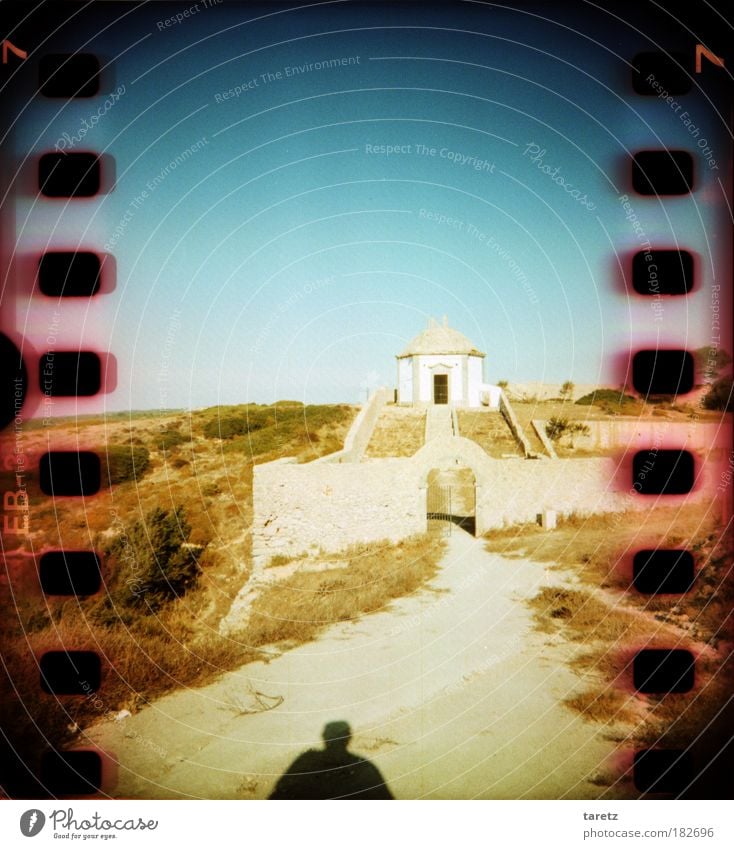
69 672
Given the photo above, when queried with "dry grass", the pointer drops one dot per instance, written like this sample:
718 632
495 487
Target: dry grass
154 655
608 627
298 608
490 431
180 645
282 560
606 706
584 617
599 549
399 432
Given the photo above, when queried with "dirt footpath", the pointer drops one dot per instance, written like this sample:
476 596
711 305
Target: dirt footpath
450 694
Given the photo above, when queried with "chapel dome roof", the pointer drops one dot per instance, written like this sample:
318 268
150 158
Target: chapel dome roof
440 339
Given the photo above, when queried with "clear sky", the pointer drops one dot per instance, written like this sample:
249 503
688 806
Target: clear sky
268 245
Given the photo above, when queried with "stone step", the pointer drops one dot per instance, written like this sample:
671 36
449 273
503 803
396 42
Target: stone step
439 423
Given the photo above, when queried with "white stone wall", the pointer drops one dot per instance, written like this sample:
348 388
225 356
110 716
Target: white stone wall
405 380
640 434
331 506
520 489
489 396
475 381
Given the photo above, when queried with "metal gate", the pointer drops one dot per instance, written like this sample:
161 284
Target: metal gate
438 508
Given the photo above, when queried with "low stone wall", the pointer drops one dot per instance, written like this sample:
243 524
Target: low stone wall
361 430
331 506
539 428
640 434
297 507
520 490
506 409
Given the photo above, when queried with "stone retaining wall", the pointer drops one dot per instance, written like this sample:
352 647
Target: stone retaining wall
640 434
300 507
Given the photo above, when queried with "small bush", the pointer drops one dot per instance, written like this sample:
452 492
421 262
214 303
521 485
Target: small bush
170 438
566 391
606 397
556 427
719 397
225 427
126 462
154 562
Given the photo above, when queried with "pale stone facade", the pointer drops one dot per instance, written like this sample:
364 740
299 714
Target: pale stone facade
441 366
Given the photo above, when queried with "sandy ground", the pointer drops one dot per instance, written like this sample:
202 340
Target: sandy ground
451 693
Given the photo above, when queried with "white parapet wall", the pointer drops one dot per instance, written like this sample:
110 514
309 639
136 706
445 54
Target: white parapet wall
638 434
506 409
360 433
330 506
539 428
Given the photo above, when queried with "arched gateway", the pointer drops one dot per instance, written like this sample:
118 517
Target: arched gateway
452 478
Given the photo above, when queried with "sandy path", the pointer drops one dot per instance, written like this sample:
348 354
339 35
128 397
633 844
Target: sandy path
450 692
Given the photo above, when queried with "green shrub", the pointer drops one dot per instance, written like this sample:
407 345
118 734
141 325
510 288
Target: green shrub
225 427
230 425
153 561
126 462
556 427
170 438
719 396
606 396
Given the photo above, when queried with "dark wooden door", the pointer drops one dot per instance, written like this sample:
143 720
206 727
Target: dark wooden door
440 389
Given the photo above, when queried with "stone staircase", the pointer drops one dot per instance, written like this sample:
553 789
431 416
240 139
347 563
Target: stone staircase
439 423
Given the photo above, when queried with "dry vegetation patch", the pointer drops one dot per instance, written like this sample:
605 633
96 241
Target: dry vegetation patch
594 607
490 431
399 432
297 608
154 461
179 645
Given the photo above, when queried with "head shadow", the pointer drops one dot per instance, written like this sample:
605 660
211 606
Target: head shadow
332 772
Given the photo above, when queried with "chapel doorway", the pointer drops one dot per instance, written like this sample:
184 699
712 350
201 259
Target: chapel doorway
440 389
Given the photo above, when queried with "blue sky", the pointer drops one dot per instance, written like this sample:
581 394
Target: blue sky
282 253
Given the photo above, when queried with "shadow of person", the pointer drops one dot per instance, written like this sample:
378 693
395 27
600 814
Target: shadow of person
332 772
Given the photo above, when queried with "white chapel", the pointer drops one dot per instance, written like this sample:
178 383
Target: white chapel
442 366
